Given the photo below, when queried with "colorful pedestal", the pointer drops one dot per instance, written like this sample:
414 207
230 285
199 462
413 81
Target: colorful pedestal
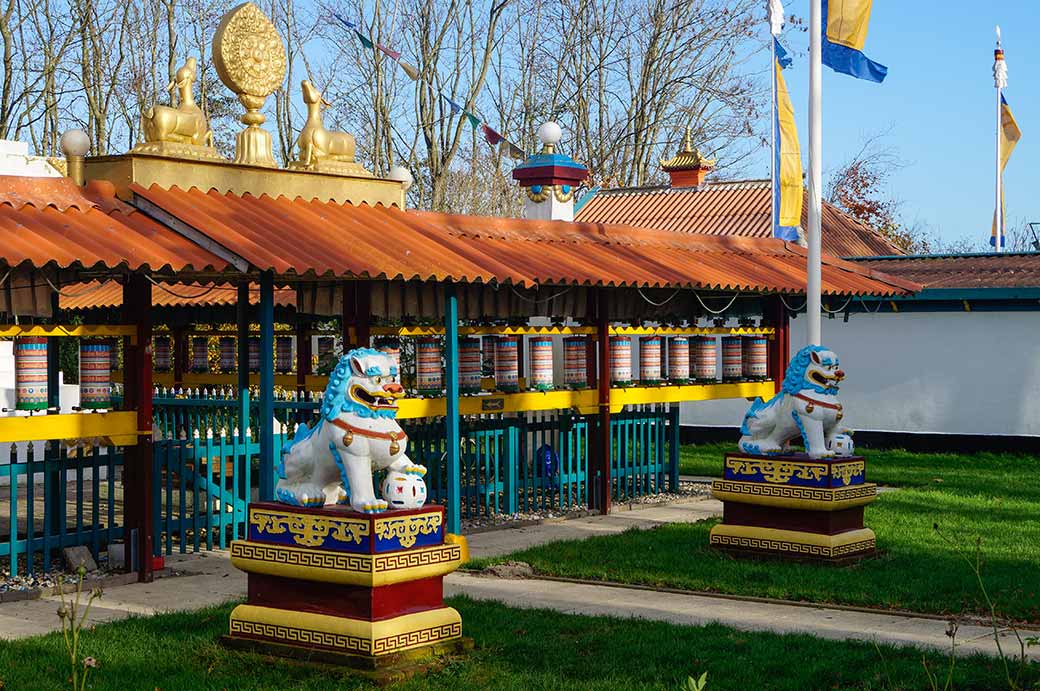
794 506
363 590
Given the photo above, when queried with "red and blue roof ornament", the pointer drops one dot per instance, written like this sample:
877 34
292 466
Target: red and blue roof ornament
548 172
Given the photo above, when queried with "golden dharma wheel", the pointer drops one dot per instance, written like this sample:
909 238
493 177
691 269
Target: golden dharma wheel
249 55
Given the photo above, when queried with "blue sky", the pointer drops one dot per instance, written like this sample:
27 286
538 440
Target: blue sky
939 103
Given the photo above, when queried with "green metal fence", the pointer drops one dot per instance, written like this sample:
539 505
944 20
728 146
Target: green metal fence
54 497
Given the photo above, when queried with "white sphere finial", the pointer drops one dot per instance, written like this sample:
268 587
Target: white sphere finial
75 142
403 176
550 133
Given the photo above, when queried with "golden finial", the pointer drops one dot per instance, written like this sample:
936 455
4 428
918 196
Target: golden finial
249 57
688 157
687 142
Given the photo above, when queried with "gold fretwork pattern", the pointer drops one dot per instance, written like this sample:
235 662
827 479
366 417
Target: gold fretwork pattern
757 489
792 547
306 637
339 561
407 560
408 528
847 472
309 530
341 642
410 639
778 471
344 561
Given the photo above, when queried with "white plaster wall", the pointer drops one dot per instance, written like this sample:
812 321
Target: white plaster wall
937 372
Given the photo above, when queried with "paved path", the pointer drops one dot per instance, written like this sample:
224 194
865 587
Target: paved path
694 610
209 579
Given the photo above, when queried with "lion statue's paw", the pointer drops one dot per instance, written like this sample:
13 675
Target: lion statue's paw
375 506
419 470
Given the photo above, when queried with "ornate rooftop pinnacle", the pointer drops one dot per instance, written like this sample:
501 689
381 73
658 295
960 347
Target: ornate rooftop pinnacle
688 158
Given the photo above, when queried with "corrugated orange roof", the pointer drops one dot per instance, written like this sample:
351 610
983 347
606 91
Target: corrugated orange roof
110 294
330 239
53 221
739 208
989 270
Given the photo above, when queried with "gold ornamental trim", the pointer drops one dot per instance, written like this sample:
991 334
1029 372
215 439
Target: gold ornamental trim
407 529
847 472
793 542
777 471
345 635
345 568
308 530
793 497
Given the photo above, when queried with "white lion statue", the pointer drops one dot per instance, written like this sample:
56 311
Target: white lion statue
806 406
356 435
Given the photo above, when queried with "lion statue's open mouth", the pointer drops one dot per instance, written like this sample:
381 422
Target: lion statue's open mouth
382 400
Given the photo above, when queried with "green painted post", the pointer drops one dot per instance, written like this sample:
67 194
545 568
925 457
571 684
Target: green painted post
266 431
673 448
451 417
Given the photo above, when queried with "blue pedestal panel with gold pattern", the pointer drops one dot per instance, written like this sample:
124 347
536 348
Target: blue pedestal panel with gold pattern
795 471
338 529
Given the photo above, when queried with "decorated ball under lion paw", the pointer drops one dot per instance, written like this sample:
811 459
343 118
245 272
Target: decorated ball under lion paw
843 445
404 490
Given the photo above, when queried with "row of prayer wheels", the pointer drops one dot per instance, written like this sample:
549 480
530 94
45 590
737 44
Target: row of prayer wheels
228 349
689 359
30 373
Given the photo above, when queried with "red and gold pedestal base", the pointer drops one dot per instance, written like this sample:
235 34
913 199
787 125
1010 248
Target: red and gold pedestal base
363 590
794 507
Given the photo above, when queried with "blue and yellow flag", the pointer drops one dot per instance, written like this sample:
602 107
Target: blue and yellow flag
845 25
787 157
1009 136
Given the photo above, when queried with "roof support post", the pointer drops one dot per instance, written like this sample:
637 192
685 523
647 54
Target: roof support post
242 344
780 345
138 469
451 417
303 363
604 451
266 420
180 354
52 498
347 313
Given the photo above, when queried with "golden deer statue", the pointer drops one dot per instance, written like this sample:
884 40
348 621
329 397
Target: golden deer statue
318 145
185 124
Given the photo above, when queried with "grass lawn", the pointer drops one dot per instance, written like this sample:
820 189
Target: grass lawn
994 498
516 649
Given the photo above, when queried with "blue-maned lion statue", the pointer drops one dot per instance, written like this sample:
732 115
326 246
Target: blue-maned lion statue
807 406
356 435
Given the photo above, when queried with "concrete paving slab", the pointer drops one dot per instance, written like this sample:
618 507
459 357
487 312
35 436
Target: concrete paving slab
695 610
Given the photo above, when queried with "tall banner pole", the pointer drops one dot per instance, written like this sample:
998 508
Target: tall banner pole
999 80
813 276
772 138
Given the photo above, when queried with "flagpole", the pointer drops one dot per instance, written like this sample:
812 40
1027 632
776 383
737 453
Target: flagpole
772 139
813 272
999 213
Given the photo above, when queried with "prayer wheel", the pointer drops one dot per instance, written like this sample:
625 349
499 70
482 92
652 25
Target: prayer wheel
30 373
705 359
283 354
199 354
488 344
620 360
429 375
95 375
507 363
163 356
471 364
227 353
732 359
325 346
650 360
755 356
254 353
575 370
393 350
541 349
678 359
